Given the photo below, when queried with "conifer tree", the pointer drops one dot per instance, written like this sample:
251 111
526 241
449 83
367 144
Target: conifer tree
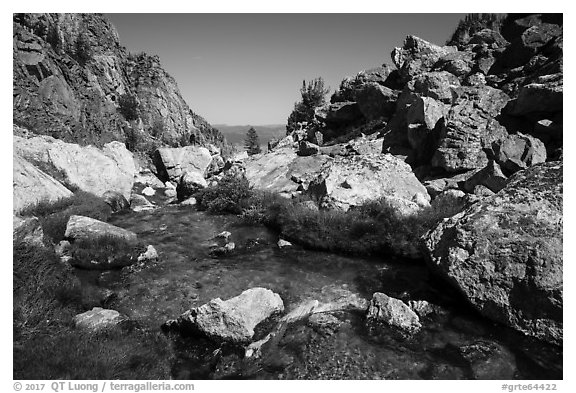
252 143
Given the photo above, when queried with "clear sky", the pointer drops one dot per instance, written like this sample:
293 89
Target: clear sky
247 68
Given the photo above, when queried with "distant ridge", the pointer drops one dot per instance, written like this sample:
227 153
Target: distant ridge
235 134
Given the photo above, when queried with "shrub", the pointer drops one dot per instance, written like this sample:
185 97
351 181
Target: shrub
229 196
128 106
54 216
313 95
82 49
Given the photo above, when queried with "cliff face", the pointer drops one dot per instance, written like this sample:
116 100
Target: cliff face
71 74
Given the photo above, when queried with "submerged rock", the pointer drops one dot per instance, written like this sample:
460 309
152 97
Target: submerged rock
233 320
283 243
504 253
488 360
98 319
148 191
393 312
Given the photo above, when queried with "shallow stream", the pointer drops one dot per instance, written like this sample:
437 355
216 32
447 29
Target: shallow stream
454 343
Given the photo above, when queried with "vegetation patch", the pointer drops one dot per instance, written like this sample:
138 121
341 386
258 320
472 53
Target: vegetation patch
373 228
47 295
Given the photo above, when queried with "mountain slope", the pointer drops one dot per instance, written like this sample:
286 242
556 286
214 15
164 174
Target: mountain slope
71 73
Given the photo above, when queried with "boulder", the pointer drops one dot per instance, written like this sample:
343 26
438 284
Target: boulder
27 230
340 113
528 43
519 151
439 85
190 183
450 201
171 162
277 170
149 179
457 63
284 243
417 56
85 167
149 255
116 201
98 319
233 320
363 145
31 185
543 97
470 129
504 253
490 176
375 101
392 312
307 149
343 182
148 191
139 203
488 37
80 227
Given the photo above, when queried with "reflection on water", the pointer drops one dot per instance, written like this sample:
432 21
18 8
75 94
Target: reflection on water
186 276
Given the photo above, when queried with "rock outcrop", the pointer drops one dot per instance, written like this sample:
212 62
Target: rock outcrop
88 168
172 163
504 253
31 185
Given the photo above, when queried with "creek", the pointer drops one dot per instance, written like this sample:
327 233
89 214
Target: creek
454 343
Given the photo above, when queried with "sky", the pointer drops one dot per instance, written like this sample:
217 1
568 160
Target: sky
242 69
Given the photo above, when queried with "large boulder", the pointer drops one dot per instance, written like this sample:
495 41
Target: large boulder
470 129
489 38
282 170
375 101
529 43
80 227
172 162
545 95
31 185
344 182
504 253
519 151
417 56
339 113
190 182
457 63
440 85
232 320
86 167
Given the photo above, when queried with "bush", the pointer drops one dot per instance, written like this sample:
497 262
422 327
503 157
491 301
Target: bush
54 216
313 95
82 49
128 106
229 196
